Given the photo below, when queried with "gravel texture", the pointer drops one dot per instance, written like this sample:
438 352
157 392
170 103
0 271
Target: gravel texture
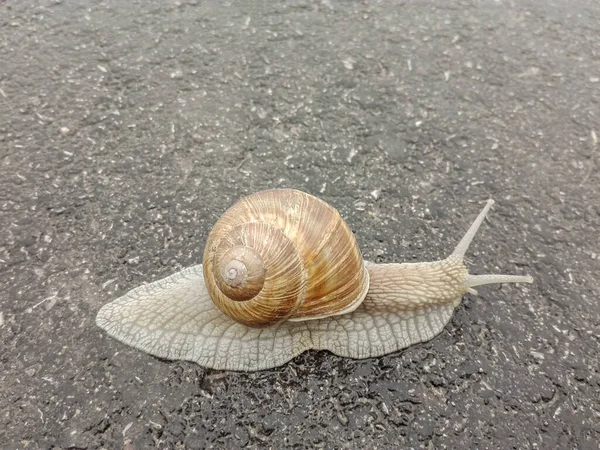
127 128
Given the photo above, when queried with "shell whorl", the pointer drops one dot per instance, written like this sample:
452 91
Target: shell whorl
240 272
268 285
283 255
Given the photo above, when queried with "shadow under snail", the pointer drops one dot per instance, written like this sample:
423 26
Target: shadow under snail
281 274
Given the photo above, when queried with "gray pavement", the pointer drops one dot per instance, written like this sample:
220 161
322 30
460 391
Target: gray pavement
127 128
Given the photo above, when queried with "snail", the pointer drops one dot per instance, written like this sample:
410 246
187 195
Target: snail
282 273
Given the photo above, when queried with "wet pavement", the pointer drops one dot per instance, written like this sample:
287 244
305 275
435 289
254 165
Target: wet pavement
127 128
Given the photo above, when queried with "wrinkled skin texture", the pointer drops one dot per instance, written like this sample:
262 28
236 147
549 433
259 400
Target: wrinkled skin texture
181 322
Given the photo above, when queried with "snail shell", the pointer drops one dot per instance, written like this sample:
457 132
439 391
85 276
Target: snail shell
283 255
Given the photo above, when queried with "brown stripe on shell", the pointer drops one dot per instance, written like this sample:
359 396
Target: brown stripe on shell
336 273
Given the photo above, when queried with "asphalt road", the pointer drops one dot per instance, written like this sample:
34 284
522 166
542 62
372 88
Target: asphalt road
127 128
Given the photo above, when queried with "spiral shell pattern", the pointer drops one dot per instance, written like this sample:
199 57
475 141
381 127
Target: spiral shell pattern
281 255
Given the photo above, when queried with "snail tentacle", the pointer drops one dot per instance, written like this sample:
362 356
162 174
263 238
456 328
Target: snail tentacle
462 247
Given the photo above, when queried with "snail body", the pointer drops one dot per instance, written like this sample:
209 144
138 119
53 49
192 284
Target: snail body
281 274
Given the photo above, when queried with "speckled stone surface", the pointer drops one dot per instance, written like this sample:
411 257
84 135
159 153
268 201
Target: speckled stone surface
127 128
